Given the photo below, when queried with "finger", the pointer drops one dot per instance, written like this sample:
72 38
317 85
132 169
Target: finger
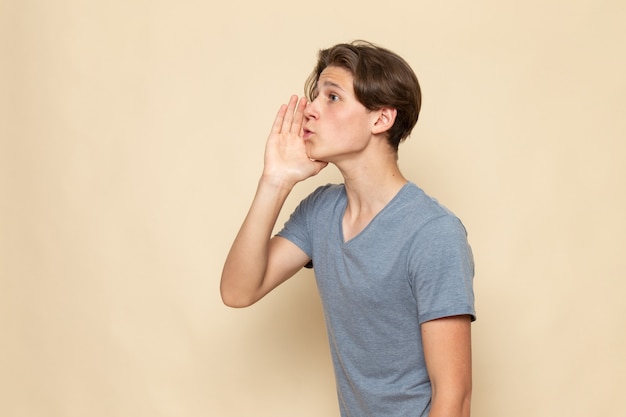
278 121
288 120
296 126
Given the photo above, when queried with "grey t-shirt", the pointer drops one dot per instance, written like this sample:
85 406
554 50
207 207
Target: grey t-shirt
411 264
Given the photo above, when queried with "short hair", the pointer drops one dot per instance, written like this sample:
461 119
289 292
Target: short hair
381 79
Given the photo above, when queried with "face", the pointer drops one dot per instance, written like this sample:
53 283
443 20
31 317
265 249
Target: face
337 125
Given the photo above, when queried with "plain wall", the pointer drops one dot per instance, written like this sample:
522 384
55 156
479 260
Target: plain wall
131 141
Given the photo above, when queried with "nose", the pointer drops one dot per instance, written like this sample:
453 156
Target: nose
310 111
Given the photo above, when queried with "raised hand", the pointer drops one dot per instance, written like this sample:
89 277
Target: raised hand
286 160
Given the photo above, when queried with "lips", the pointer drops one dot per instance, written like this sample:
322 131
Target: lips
306 134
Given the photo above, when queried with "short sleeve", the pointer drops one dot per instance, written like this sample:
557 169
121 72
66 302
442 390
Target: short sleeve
441 269
297 228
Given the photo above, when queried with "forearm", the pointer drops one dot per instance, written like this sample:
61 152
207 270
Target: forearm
447 351
451 404
246 263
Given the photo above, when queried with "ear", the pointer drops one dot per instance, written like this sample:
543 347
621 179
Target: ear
386 118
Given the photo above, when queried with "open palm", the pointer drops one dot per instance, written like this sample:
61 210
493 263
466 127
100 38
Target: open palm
285 152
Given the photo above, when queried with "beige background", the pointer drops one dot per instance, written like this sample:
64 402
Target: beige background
131 140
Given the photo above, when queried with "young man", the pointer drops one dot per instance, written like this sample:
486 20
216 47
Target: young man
393 267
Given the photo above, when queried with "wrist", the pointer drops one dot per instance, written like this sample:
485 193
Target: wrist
277 182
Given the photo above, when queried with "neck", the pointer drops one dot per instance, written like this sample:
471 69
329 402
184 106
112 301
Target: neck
371 184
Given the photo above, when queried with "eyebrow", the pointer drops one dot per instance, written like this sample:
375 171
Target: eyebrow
328 83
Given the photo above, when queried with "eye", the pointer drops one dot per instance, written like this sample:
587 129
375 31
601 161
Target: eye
333 97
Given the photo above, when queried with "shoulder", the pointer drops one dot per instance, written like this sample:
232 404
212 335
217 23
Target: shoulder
320 203
325 194
328 191
425 212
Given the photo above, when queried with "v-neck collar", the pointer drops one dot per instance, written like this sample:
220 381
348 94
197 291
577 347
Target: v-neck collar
373 220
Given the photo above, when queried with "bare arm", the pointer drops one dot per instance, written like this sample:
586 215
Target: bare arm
257 264
447 350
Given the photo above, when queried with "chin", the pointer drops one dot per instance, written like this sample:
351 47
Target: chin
315 157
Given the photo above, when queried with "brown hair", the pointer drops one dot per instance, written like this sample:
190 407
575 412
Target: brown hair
381 79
